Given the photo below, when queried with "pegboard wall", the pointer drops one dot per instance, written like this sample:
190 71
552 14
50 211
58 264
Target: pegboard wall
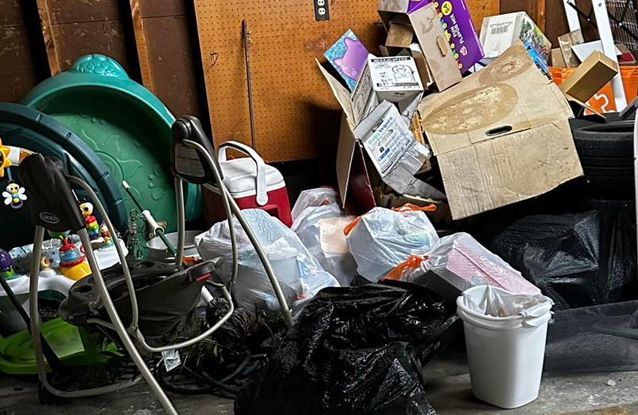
288 89
290 95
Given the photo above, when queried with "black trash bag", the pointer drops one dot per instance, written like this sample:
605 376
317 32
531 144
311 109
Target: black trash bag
577 260
352 351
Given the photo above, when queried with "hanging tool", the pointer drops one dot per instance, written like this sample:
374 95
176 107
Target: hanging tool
249 80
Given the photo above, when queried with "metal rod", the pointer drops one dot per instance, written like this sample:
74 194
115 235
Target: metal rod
181 222
125 269
249 81
251 236
120 329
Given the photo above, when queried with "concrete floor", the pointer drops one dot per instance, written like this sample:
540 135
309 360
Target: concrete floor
448 386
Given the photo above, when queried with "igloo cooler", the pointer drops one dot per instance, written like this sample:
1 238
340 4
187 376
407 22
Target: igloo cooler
252 183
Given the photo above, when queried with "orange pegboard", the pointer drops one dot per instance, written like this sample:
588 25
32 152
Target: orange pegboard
287 86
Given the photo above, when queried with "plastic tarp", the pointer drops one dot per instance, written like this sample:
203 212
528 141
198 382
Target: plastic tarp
578 259
351 352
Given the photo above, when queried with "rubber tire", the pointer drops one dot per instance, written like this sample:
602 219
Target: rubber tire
606 154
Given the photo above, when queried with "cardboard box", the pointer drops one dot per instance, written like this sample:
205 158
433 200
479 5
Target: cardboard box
500 136
431 37
502 31
565 43
457 24
348 56
400 35
558 61
387 142
590 77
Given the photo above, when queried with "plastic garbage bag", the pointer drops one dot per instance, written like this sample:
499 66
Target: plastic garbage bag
314 197
320 228
464 263
351 352
384 238
299 273
495 302
579 259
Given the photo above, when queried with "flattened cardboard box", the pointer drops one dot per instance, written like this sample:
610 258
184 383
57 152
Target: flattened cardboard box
501 136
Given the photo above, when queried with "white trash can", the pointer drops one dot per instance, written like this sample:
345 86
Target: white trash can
505 354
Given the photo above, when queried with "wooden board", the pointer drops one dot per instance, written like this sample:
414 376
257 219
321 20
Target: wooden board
481 9
72 29
16 60
165 53
290 95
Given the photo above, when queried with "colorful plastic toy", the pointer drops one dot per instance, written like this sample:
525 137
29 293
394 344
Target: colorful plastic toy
6 265
73 264
90 222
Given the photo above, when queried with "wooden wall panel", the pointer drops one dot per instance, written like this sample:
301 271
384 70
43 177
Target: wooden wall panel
74 28
165 53
291 97
481 9
17 69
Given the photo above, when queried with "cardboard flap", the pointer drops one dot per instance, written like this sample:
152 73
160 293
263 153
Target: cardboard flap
399 35
345 152
436 49
341 93
393 6
509 96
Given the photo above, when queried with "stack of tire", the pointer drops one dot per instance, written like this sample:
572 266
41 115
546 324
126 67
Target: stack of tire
606 154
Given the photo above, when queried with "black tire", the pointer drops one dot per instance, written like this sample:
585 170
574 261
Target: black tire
606 154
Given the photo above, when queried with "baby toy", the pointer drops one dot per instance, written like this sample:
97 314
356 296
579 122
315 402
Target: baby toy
73 264
106 235
90 222
6 265
14 195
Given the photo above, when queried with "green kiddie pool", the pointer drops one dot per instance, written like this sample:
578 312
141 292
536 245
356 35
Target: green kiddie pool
125 124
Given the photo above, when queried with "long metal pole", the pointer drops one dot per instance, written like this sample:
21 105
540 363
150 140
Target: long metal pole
119 326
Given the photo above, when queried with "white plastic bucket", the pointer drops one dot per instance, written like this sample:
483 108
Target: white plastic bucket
505 354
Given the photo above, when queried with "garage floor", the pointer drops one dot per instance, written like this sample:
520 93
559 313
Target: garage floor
448 387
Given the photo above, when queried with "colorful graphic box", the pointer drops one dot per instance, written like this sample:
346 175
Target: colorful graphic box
348 56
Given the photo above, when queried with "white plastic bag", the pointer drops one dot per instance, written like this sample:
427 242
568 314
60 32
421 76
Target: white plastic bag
320 228
298 272
384 238
314 197
464 263
495 302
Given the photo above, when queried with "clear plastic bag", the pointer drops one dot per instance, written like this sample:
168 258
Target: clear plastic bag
299 273
464 263
383 238
314 197
320 228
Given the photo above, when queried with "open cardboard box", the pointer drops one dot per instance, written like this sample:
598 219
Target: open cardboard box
380 147
430 35
501 136
457 26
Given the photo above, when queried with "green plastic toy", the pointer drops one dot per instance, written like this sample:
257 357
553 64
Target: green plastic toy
124 123
74 346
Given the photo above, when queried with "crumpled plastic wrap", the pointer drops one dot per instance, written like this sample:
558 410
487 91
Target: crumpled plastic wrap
319 196
385 238
351 352
320 229
299 273
578 260
464 263
495 302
